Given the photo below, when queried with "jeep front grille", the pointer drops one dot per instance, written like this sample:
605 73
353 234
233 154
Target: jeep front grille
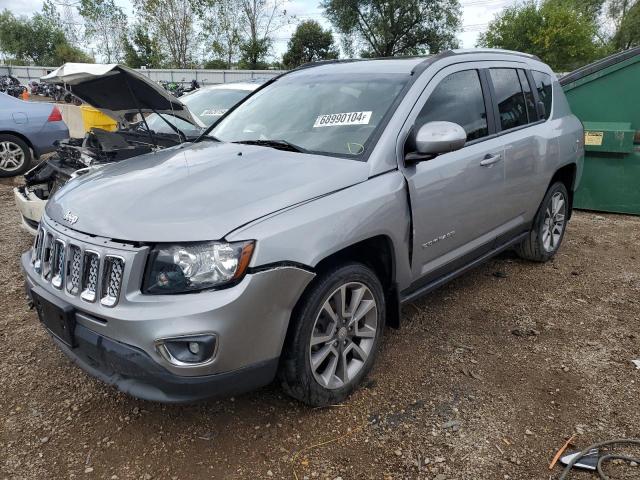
36 253
47 247
67 264
57 263
111 280
74 269
90 276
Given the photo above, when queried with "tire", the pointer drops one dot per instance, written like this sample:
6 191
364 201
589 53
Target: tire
311 318
15 156
552 215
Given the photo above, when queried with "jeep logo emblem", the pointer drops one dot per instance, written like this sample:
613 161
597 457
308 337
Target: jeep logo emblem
70 218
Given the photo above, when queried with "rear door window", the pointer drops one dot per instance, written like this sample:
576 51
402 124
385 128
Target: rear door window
543 85
458 98
510 97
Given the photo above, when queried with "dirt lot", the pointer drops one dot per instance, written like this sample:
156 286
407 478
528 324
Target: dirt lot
485 380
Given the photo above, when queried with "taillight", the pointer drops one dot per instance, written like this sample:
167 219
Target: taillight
55 115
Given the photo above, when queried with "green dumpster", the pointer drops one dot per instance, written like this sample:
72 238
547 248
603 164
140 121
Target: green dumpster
605 96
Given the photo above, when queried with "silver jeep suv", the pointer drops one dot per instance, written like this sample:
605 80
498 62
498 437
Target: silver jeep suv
284 240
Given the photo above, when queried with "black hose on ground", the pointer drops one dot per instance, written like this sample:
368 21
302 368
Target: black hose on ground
604 458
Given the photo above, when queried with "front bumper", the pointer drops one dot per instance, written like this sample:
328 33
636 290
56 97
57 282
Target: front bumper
30 207
117 345
133 372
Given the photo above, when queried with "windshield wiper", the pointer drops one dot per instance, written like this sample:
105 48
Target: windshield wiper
277 144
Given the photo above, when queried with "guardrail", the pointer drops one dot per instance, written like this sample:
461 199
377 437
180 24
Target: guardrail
204 77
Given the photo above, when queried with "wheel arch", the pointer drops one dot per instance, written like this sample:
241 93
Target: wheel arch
566 175
21 137
378 253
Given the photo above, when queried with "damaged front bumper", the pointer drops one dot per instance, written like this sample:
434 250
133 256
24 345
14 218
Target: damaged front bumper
30 207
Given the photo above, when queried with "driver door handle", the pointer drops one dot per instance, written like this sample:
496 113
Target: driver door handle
490 160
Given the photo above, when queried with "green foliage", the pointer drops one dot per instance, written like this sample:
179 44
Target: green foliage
64 52
261 19
140 50
591 8
388 28
628 33
309 43
171 23
223 23
38 40
216 64
253 53
560 35
104 24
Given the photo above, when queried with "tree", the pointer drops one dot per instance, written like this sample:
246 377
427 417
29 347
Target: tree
561 36
591 8
104 24
262 18
223 23
617 10
37 40
396 27
309 43
171 23
140 50
628 32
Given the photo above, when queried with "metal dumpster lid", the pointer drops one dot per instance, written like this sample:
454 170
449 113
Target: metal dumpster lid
599 65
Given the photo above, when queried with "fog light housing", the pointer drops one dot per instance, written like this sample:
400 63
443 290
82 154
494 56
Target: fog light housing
191 350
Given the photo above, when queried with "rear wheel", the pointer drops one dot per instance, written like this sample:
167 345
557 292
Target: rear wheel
549 226
15 156
334 337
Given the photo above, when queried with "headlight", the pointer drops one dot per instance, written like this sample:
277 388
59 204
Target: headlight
196 266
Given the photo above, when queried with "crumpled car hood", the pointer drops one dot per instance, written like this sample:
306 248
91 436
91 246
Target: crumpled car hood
117 90
197 192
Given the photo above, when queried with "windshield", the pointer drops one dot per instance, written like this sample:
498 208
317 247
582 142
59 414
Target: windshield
330 113
206 104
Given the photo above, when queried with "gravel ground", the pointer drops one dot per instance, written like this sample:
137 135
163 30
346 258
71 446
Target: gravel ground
486 379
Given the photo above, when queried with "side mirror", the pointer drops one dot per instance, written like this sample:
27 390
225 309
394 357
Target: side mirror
434 138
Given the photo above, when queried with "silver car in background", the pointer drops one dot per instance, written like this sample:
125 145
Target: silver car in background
284 241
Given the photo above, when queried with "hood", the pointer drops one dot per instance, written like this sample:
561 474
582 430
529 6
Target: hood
197 192
117 90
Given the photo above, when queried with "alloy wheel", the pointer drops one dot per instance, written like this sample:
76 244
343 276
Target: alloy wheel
554 222
11 156
343 335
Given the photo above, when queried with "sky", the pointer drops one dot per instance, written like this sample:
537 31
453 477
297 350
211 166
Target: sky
476 15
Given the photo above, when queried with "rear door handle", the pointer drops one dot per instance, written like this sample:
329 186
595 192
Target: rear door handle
490 160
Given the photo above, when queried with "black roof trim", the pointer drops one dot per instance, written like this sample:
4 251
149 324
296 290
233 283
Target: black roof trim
599 65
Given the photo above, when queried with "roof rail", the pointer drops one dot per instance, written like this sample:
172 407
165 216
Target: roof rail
493 50
328 62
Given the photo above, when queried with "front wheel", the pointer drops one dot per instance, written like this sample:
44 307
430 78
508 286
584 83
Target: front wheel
549 226
335 335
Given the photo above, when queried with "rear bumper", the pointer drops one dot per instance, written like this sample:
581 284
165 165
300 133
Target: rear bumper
30 208
133 372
